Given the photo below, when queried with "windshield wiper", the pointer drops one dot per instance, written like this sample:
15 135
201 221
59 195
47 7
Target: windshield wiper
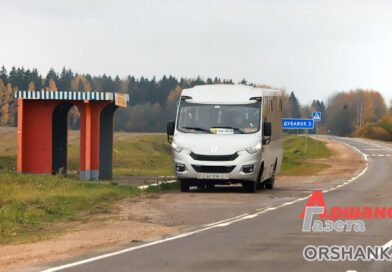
240 131
198 129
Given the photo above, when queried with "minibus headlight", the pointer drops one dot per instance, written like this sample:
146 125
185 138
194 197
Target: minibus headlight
176 148
254 149
180 167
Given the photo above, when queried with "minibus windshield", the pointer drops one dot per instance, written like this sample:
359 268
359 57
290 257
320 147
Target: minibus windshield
219 118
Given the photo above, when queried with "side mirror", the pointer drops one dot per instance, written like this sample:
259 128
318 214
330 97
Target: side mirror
267 129
170 125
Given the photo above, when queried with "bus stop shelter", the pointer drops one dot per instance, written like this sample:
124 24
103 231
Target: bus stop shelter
42 131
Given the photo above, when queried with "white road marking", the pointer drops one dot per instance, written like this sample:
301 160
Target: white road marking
378 155
143 187
353 178
222 223
384 146
225 220
389 244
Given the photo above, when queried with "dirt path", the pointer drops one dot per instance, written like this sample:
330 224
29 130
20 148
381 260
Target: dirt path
154 216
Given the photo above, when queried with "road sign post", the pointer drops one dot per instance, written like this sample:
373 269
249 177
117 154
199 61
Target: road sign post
306 142
316 137
303 124
316 118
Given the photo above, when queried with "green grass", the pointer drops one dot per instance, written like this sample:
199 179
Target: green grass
295 159
150 155
144 155
133 154
29 204
7 161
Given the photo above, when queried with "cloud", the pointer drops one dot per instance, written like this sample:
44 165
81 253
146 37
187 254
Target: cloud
310 47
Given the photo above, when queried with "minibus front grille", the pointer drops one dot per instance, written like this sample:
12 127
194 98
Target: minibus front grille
199 157
213 169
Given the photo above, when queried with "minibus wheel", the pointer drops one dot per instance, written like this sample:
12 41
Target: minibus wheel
184 185
260 183
250 186
269 183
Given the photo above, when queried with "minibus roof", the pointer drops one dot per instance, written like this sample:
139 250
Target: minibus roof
226 94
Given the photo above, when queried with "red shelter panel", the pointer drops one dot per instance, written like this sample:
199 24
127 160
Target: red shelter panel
35 136
42 131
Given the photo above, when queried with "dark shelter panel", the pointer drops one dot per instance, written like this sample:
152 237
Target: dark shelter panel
106 141
59 137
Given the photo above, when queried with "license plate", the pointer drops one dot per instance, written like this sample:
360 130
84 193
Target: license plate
212 176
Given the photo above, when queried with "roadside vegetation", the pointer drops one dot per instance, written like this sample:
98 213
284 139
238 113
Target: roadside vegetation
133 154
143 155
150 155
30 204
37 207
296 161
380 130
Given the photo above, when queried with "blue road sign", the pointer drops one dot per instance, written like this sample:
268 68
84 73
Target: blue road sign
317 116
298 123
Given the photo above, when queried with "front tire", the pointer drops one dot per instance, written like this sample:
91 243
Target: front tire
250 186
260 185
269 183
184 185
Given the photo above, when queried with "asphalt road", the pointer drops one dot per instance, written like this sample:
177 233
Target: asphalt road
271 239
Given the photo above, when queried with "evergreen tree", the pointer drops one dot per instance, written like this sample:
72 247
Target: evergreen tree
3 75
13 77
65 79
294 106
52 75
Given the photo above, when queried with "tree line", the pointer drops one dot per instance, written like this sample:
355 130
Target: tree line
153 101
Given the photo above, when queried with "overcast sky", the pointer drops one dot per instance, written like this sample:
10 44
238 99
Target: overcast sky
313 48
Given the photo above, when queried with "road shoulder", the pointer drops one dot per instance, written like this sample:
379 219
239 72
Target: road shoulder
152 217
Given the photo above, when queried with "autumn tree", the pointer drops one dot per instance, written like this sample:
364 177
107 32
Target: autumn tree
52 86
80 84
285 104
137 120
74 118
31 86
171 103
2 90
6 97
348 111
2 97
